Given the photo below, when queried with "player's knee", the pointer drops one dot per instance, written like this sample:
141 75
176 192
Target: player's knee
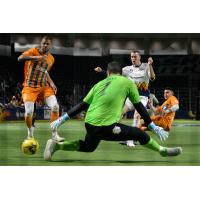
142 137
29 113
55 108
52 103
29 109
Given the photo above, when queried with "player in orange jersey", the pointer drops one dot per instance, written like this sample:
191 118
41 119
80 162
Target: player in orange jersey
37 83
164 114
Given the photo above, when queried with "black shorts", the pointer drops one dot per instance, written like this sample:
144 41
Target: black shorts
114 132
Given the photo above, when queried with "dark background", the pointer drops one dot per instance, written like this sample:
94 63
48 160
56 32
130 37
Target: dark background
74 75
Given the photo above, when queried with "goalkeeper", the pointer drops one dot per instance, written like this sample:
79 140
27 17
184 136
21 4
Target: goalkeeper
104 104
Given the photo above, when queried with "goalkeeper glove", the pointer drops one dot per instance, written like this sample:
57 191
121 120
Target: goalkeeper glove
55 124
160 132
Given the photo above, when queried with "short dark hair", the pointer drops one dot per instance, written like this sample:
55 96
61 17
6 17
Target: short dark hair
169 88
136 51
114 67
46 38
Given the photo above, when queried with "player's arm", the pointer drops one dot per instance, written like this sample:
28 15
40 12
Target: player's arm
100 71
50 81
152 75
29 55
82 106
174 108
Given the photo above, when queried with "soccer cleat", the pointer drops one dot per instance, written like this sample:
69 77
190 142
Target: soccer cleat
49 149
171 151
129 143
122 142
57 138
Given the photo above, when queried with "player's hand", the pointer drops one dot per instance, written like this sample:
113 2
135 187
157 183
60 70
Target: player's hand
160 132
55 124
98 69
150 60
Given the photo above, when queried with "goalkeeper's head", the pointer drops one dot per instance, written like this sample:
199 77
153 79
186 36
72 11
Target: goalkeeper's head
114 68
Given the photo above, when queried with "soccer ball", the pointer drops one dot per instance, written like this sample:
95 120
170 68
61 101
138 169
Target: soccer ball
30 146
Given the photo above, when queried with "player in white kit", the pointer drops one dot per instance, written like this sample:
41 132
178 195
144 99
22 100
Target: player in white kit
140 73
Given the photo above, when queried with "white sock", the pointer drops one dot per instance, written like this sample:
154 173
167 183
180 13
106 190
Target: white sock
30 132
54 133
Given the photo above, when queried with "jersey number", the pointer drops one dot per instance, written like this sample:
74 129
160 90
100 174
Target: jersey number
102 92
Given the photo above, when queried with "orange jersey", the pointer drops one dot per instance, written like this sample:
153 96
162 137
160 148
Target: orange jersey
25 71
169 117
35 75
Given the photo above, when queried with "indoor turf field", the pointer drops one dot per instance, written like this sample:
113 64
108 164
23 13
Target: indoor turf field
185 133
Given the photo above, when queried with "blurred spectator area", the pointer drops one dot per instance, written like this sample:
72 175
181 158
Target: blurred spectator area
176 62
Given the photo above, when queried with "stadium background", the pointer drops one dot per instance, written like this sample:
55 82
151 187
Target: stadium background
176 60
176 64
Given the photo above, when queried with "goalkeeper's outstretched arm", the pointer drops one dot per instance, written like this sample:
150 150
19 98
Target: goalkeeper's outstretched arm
77 109
71 113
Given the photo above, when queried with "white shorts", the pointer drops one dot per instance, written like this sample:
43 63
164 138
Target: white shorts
143 99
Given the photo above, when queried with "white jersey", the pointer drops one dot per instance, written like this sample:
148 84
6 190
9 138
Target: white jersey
140 76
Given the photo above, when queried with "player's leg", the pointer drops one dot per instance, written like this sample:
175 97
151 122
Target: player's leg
34 116
29 108
29 96
136 117
128 107
89 144
136 120
52 103
120 132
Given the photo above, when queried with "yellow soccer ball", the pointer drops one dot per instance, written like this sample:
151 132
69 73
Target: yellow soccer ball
30 146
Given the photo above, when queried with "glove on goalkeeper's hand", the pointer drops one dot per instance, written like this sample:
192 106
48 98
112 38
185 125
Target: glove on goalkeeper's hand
160 132
55 124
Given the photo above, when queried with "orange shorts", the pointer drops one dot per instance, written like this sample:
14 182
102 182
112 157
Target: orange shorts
32 94
160 121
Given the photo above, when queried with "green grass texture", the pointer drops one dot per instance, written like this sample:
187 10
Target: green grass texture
184 133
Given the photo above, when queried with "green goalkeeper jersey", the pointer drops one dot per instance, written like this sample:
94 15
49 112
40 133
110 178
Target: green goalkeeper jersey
107 98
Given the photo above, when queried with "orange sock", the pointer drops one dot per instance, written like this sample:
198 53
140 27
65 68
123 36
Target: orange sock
54 116
28 121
